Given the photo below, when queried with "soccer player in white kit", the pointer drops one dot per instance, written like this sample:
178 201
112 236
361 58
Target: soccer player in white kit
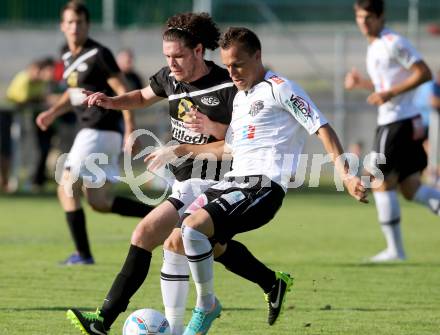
270 121
395 69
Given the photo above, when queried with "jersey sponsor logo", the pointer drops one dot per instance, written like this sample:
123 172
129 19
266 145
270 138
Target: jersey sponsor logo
256 107
72 79
183 109
210 100
82 67
276 79
248 132
300 108
183 134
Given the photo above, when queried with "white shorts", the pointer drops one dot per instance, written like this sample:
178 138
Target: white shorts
185 192
95 155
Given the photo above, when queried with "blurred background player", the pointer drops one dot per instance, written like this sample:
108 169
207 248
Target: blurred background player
29 91
125 60
89 65
395 69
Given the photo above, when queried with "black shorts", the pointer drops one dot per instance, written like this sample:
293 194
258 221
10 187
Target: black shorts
239 204
401 143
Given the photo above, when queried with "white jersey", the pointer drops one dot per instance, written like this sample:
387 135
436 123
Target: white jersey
389 58
268 129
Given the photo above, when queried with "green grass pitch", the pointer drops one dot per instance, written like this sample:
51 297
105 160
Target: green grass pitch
320 236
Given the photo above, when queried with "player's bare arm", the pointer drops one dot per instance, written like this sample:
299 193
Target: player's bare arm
333 147
355 80
201 123
132 100
118 86
46 118
170 154
420 73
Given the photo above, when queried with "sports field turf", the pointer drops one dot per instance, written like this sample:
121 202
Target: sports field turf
319 236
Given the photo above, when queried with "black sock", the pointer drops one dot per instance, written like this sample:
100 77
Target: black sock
129 207
127 282
77 225
238 259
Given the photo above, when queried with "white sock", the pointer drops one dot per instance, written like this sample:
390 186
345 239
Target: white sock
388 211
174 283
199 252
429 197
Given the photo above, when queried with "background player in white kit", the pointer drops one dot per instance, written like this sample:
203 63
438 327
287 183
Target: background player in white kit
395 69
271 118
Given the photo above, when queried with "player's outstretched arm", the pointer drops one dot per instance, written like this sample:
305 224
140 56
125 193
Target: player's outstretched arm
333 147
131 100
172 153
46 118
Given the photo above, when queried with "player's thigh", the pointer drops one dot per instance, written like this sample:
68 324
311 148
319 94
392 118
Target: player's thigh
184 193
240 210
153 229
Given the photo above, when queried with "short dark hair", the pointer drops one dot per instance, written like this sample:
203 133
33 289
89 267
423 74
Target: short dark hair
78 7
247 38
192 29
45 62
371 6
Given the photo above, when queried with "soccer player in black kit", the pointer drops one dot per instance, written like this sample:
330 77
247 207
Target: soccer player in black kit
89 65
194 88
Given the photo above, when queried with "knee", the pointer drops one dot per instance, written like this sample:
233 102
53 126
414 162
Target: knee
408 193
145 237
192 221
174 243
219 249
100 206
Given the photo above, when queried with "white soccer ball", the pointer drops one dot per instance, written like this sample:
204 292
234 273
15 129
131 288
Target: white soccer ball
146 322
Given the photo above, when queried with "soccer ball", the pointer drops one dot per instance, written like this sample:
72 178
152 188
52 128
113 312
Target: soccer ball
146 322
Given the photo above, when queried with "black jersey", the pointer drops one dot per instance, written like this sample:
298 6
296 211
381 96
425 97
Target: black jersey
90 70
213 94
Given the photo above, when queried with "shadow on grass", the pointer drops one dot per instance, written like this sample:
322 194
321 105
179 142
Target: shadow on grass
389 265
375 265
65 308
44 309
